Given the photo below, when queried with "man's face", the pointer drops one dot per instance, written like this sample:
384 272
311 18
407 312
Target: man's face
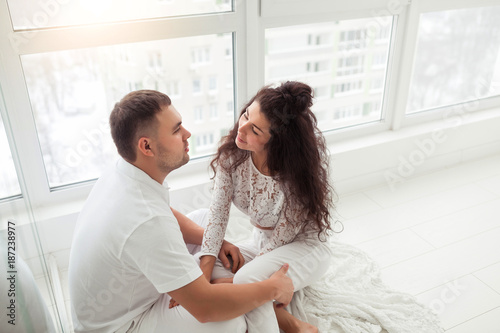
171 140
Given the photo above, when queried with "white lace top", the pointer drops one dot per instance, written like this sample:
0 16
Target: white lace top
260 197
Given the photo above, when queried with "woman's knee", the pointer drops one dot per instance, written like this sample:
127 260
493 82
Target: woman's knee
257 270
199 216
308 262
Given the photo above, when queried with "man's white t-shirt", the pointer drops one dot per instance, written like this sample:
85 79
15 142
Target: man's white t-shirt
127 250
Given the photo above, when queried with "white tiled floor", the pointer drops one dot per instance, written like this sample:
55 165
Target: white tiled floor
437 236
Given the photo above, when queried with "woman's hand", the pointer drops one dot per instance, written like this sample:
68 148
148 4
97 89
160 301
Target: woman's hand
228 249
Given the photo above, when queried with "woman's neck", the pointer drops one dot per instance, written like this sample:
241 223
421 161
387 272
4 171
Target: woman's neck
260 162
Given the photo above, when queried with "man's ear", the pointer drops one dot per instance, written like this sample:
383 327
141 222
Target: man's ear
144 147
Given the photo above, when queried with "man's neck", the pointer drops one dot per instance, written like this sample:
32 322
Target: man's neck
151 170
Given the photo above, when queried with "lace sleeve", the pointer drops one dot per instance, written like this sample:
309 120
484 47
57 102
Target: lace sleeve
218 214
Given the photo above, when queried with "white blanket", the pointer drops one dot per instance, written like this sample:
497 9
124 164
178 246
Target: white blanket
351 297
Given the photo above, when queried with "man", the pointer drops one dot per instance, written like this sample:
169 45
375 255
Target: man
129 255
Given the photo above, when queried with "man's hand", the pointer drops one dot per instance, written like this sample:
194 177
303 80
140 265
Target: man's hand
228 249
284 286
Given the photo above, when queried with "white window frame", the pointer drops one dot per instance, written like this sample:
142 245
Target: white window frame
403 42
275 14
406 67
248 23
21 128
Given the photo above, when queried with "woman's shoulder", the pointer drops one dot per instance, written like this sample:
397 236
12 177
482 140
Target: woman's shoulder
232 160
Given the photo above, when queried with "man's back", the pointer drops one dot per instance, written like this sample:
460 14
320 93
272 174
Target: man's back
126 251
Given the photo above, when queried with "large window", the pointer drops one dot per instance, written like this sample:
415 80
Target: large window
457 58
373 65
344 61
72 93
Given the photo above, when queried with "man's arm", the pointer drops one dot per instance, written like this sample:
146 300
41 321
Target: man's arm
217 302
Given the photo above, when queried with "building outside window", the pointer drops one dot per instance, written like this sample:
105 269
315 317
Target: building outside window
212 109
205 141
350 65
212 83
327 56
196 86
200 56
172 89
198 114
59 85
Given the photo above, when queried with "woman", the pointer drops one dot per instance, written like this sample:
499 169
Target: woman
273 166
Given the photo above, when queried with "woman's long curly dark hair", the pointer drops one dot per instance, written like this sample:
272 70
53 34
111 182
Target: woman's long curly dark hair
296 152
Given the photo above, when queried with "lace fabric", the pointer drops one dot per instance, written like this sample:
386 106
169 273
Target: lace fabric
260 197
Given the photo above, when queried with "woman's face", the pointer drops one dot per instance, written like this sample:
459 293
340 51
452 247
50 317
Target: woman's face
253 130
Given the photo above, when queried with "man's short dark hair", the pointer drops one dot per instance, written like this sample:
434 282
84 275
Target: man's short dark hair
133 117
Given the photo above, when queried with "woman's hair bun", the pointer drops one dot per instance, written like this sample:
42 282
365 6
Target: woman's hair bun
298 95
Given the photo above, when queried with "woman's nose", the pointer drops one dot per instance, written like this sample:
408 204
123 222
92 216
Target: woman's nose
243 125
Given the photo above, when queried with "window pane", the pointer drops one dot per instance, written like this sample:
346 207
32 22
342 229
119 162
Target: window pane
72 93
455 62
30 14
9 185
345 62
